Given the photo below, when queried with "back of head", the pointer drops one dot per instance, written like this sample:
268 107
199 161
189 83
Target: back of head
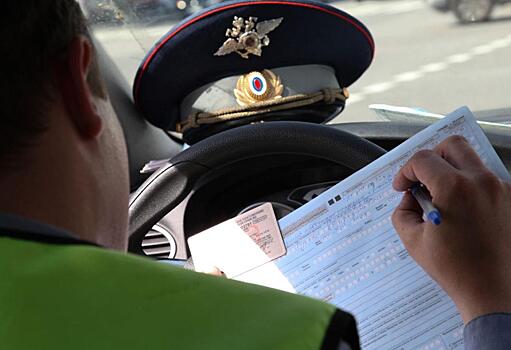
61 147
35 34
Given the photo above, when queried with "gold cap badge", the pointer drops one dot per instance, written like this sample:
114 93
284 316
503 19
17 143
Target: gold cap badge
257 87
247 36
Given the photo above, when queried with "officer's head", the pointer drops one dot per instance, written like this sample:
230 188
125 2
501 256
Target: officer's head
57 127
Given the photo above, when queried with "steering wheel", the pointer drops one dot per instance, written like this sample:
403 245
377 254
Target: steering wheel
171 184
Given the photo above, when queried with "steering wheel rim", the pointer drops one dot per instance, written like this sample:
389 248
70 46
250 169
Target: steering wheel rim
171 184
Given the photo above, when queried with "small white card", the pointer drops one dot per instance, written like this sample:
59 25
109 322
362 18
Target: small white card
239 244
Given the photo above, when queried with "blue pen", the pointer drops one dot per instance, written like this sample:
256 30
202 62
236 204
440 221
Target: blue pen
423 197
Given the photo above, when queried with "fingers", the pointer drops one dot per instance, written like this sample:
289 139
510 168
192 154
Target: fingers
215 271
426 167
458 152
407 220
432 167
407 215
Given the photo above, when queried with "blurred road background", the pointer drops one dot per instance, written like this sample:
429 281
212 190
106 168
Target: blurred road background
423 58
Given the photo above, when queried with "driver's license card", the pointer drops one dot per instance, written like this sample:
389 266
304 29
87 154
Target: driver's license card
240 244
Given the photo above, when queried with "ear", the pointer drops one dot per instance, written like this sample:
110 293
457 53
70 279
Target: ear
75 91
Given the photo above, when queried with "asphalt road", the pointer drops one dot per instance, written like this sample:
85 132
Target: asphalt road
426 59
423 58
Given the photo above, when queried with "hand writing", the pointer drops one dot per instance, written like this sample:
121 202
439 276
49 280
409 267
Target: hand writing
469 253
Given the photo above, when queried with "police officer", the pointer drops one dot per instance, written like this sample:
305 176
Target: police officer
64 199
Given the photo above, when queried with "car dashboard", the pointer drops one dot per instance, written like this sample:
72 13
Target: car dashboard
286 181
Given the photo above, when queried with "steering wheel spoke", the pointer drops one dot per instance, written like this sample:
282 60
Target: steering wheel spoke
169 186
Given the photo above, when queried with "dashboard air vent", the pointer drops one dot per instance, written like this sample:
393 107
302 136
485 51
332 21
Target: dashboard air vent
159 243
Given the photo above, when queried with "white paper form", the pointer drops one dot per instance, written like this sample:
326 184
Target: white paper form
342 248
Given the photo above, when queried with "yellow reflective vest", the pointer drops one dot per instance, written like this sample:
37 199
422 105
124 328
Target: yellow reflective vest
56 293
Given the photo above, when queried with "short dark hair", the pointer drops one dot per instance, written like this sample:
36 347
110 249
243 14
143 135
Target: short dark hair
33 35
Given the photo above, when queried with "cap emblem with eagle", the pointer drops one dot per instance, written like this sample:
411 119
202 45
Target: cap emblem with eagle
248 37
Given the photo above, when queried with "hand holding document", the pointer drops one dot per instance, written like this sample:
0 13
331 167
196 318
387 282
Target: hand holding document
343 249
238 245
469 254
347 252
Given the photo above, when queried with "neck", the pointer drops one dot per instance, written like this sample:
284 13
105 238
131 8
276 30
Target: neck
55 185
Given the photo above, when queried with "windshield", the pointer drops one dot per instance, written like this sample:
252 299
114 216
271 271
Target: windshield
429 55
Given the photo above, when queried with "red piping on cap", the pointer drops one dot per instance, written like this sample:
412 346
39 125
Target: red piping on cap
198 18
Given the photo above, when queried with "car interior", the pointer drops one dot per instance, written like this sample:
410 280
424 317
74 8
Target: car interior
284 163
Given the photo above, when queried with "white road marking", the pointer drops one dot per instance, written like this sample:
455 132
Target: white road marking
501 42
429 68
379 8
405 7
482 49
378 88
434 67
459 58
354 98
408 76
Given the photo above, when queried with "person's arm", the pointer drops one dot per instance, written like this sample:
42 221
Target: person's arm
490 332
469 253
